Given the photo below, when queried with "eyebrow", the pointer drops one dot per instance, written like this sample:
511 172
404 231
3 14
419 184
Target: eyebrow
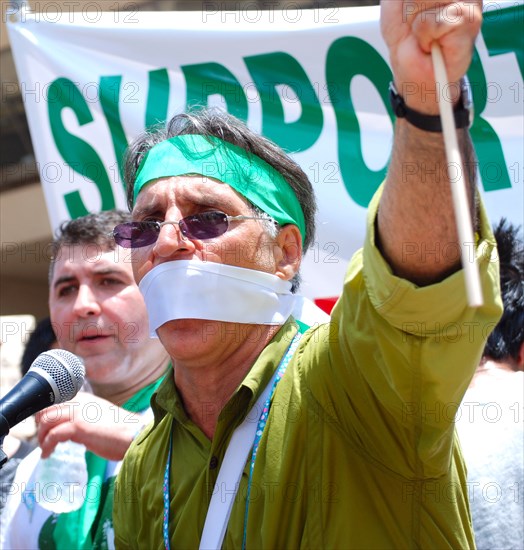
62 280
147 210
155 207
99 272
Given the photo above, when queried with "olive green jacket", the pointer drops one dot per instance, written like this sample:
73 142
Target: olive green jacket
359 450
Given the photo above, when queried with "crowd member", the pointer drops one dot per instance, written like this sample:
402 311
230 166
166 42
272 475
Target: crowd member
347 451
98 314
490 424
42 338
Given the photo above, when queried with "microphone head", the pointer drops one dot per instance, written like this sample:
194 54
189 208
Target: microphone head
63 370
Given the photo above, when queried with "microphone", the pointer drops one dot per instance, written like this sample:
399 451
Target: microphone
55 376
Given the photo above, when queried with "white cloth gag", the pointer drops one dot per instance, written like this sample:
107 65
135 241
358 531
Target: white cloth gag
192 289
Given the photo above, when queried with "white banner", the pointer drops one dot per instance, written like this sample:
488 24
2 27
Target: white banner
315 81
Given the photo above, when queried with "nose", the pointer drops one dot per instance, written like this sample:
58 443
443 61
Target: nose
172 244
86 303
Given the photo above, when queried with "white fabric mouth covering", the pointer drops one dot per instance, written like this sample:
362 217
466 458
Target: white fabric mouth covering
192 289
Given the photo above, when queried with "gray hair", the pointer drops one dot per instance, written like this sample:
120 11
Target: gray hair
218 123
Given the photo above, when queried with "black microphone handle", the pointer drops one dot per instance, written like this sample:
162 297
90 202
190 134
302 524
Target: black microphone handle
32 394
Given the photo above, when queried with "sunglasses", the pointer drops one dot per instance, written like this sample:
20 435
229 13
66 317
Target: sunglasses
206 225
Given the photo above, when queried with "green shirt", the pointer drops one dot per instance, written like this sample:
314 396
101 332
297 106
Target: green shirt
359 450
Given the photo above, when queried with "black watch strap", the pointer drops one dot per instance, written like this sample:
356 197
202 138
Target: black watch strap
430 123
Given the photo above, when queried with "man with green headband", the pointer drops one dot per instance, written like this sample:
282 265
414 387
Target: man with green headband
97 313
267 433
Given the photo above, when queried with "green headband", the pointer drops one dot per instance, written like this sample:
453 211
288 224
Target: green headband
209 156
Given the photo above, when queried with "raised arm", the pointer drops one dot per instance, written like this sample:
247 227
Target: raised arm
416 226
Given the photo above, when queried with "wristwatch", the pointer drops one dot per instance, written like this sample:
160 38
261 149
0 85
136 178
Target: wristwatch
463 111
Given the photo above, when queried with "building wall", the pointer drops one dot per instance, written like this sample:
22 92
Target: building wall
25 235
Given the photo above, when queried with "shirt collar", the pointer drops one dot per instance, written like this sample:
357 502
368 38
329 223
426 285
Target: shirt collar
167 400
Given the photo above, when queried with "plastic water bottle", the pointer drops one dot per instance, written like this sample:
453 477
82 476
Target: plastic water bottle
62 477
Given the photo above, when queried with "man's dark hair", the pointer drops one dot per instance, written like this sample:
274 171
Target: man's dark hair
92 229
41 339
507 337
217 123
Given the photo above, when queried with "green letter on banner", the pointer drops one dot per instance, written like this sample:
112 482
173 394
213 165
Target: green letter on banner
77 153
109 100
502 32
157 97
207 79
270 70
492 165
348 57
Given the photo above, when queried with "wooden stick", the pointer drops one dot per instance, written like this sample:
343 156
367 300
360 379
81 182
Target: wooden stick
458 186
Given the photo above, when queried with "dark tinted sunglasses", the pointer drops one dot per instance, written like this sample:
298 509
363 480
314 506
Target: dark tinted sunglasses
206 225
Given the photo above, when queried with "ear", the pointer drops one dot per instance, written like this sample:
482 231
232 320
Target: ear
289 242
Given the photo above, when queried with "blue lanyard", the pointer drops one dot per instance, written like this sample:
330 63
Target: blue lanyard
165 490
260 429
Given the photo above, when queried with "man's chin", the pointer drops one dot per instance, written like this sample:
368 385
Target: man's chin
185 325
191 330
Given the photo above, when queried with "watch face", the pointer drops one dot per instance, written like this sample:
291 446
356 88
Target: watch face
467 98
397 103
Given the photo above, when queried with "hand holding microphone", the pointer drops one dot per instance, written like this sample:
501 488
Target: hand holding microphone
54 377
